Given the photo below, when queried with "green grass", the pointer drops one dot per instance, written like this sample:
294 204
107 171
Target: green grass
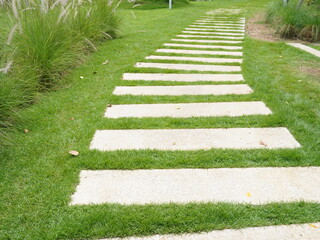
38 175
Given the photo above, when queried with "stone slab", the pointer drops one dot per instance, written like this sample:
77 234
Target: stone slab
207 36
215 29
203 46
231 185
190 67
220 21
187 110
214 33
179 77
282 232
205 41
220 24
196 59
305 48
183 90
199 52
218 27
193 139
218 16
225 11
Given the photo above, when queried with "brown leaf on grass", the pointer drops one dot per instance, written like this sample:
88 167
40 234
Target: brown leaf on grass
26 130
72 118
74 153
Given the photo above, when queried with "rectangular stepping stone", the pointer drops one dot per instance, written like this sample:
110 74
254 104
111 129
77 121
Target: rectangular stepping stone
220 24
205 41
196 59
281 232
193 139
215 29
183 90
219 21
190 67
202 46
208 36
218 27
187 110
305 48
207 52
178 77
232 185
216 16
214 33
223 20
220 17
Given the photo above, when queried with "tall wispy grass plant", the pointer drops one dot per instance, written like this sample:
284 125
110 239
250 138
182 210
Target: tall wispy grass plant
40 41
296 19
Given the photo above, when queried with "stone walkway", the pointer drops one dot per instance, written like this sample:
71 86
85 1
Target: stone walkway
223 37
305 48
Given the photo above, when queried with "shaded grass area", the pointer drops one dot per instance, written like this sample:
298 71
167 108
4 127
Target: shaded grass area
39 175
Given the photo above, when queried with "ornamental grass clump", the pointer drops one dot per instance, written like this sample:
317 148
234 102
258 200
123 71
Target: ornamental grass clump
42 40
296 19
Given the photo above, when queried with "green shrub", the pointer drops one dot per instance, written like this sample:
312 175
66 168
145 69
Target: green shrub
291 21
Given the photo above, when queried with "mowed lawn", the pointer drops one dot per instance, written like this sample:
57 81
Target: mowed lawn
38 176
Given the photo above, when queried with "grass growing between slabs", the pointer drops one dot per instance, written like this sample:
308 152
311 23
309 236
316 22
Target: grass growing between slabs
39 175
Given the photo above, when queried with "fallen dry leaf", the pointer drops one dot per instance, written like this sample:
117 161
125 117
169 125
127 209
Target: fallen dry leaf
262 143
26 130
74 153
109 105
72 118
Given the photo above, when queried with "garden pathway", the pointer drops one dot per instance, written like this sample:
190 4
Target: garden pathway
223 37
305 48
